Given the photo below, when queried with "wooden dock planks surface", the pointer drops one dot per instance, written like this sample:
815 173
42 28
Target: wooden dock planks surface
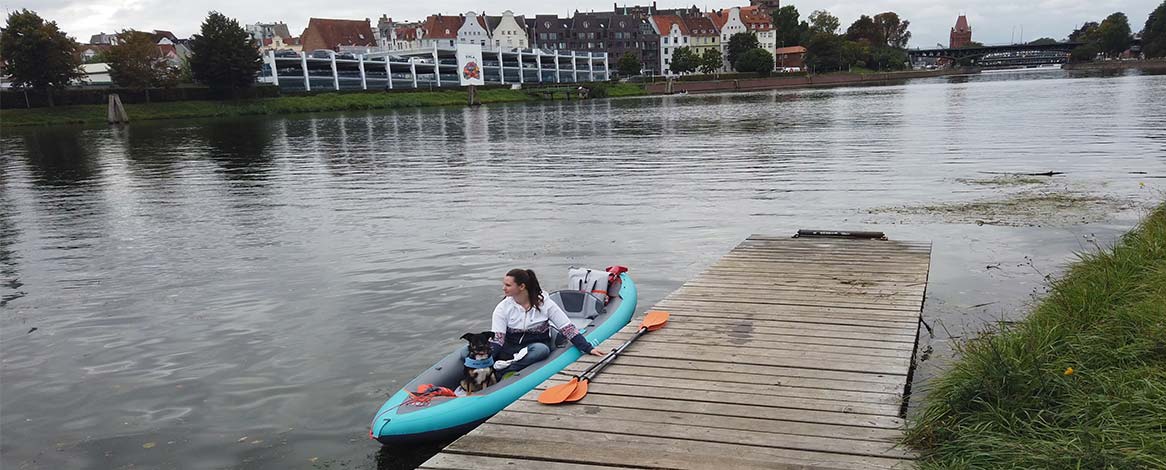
785 353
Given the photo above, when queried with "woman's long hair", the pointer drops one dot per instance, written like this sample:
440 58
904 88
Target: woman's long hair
526 277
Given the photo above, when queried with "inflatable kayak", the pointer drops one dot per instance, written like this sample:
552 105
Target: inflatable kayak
416 414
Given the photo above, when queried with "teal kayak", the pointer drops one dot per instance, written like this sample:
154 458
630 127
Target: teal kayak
406 418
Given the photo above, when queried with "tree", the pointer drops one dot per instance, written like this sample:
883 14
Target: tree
738 44
684 60
136 63
755 60
892 29
1042 42
629 64
224 58
1114 34
821 21
824 52
711 61
785 21
37 54
863 29
1154 34
1085 52
1085 33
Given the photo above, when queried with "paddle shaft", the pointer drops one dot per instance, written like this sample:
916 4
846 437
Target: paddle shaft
598 366
611 354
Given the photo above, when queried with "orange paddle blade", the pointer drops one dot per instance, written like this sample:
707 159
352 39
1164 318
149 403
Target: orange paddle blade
579 392
558 393
654 320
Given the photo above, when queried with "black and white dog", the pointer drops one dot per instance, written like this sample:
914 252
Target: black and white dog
479 366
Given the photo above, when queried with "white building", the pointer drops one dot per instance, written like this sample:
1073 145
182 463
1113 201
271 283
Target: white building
509 33
473 30
673 35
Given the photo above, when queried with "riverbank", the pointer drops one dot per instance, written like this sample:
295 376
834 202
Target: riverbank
1153 65
96 114
799 81
1081 383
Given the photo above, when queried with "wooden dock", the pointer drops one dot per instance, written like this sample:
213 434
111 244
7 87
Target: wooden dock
785 353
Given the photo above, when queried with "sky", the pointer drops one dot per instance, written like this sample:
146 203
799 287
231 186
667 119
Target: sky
992 21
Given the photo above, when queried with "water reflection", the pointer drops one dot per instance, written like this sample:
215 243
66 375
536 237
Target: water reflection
61 156
239 147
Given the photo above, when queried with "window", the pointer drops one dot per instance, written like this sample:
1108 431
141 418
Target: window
665 40
686 39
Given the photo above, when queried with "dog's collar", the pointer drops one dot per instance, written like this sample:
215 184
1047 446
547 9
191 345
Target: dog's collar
479 363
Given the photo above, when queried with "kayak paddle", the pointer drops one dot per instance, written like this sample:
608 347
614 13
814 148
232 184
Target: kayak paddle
576 388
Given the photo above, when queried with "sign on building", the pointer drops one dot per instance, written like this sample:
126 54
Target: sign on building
469 64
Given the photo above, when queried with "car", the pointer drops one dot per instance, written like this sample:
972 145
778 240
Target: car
287 53
321 54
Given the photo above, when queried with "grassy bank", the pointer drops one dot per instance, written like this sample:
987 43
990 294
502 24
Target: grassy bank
95 114
1081 383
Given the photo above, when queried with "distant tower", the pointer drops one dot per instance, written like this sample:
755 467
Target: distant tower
961 34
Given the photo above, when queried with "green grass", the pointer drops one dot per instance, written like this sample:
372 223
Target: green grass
1011 401
95 114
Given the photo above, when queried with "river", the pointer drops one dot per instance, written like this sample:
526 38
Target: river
245 293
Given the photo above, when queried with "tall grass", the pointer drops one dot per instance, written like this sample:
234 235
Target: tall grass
1081 383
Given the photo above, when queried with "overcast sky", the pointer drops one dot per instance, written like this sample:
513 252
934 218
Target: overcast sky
992 21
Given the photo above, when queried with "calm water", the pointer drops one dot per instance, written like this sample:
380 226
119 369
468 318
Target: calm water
245 293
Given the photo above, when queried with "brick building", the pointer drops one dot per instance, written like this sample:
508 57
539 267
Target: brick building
961 34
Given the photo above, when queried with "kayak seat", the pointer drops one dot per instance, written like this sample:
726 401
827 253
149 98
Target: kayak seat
580 307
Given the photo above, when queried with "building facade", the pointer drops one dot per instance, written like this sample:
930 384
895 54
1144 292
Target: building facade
473 30
508 31
440 30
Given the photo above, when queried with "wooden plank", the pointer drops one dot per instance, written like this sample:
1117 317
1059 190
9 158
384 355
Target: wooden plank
762 343
857 380
764 309
796 296
614 387
701 433
654 452
828 259
734 409
775 426
798 302
777 266
451 461
777 377
820 271
831 286
883 404
882 323
820 361
868 333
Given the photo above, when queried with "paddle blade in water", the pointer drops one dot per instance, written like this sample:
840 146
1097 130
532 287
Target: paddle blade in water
558 393
579 392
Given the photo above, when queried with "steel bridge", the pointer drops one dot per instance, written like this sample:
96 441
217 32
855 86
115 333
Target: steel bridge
1023 54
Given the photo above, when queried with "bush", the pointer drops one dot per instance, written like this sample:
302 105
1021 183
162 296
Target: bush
755 60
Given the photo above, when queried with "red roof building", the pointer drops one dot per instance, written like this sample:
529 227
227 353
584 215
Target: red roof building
334 34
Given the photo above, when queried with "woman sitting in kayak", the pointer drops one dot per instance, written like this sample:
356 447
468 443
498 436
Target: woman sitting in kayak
523 320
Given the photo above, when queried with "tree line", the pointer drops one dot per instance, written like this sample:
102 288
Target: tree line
1112 36
876 43
38 55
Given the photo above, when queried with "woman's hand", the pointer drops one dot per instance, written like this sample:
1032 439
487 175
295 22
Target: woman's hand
598 352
